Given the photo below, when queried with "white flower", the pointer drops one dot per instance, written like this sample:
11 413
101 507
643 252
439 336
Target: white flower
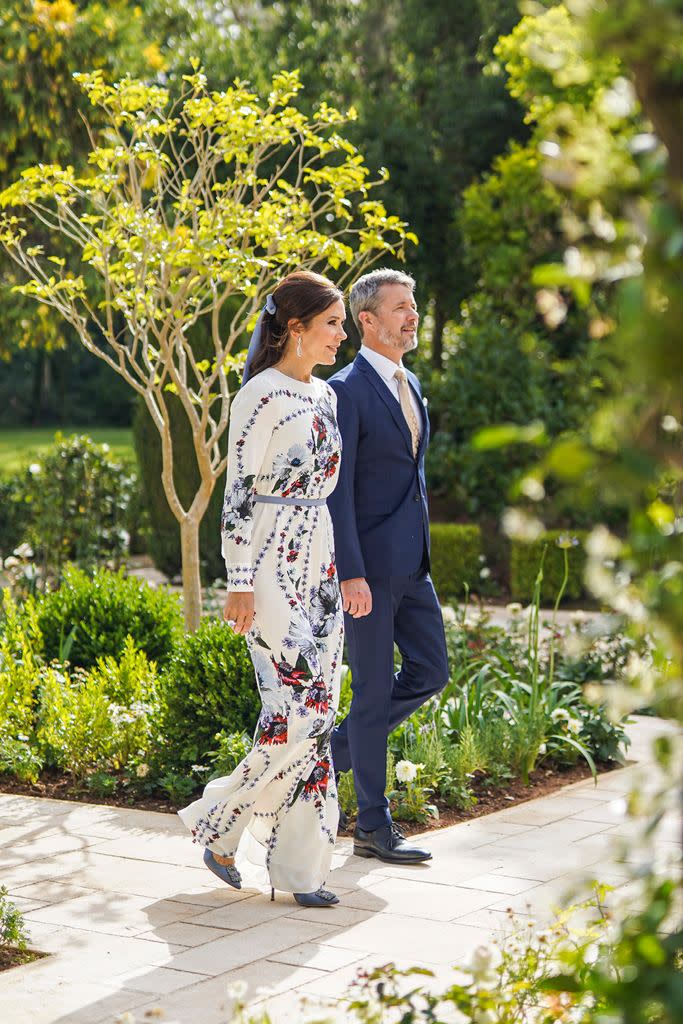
142 771
482 964
532 488
574 725
448 613
237 990
543 749
514 608
560 714
11 561
519 526
23 551
35 468
553 309
484 573
602 544
406 771
484 1017
620 100
670 424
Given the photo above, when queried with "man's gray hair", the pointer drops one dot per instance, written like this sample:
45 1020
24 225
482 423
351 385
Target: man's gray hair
364 295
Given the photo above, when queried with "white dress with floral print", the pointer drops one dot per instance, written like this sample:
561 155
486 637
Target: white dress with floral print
284 443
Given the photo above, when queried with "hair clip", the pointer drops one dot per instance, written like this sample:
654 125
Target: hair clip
270 305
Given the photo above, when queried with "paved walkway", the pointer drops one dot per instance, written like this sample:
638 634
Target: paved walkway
134 922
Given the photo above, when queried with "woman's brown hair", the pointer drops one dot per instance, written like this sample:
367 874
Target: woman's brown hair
299 296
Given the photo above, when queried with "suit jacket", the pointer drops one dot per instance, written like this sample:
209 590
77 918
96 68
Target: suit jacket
379 506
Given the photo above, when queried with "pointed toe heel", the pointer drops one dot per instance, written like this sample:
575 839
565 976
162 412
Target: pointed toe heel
321 898
227 873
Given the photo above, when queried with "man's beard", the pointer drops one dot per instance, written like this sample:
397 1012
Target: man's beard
402 342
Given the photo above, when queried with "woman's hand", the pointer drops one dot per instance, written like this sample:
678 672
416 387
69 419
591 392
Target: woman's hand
238 610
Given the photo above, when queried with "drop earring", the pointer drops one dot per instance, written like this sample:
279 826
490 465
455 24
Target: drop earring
299 350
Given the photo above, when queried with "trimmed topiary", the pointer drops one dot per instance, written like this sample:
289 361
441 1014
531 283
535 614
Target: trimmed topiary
99 612
208 687
455 558
525 560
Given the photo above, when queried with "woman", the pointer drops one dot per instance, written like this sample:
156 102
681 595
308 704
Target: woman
283 595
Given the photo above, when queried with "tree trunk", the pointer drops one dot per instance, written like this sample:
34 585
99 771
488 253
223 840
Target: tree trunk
192 584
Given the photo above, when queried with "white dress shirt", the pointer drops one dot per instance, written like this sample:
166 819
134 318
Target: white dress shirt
386 368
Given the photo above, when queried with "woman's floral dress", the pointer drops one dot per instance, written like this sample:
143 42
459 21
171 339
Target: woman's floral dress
284 445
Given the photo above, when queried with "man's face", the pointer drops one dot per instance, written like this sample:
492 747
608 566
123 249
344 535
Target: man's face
397 317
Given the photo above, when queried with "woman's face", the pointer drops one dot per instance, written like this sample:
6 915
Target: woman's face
323 336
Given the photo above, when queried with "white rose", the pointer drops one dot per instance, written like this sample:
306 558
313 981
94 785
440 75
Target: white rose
406 771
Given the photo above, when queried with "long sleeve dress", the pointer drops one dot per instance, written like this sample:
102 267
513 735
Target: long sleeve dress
284 448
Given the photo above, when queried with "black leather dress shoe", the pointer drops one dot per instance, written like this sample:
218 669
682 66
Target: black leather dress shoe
387 843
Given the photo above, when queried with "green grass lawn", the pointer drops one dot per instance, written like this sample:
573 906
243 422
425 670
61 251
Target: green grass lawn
19 447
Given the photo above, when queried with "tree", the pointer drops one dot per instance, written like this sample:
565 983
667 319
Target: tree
188 211
426 108
41 45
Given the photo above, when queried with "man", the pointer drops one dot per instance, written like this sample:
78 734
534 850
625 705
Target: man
381 530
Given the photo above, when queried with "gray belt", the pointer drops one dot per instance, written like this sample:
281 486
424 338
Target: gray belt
274 499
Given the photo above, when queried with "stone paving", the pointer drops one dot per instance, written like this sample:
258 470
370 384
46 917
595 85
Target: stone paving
134 921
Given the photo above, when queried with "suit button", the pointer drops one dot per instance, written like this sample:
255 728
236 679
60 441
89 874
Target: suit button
416 497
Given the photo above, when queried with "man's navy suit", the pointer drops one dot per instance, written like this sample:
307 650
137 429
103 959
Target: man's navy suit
381 532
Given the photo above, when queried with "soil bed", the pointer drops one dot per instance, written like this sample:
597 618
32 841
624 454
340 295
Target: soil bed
544 780
10 957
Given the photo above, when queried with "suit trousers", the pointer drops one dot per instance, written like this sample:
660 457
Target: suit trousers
405 611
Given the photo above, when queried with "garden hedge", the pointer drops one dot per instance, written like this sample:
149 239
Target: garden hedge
525 559
455 558
208 686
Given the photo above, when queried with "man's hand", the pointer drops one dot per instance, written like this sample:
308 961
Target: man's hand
356 597
238 610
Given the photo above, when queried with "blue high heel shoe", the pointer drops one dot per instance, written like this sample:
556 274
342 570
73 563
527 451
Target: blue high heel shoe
226 872
321 898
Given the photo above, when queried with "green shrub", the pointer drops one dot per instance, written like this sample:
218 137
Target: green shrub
80 728
13 934
79 497
455 558
20 647
207 687
525 560
15 514
231 748
103 611
75 728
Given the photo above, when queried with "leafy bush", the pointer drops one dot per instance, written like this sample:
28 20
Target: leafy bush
497 372
20 648
13 933
75 730
455 558
525 559
79 496
89 721
15 514
207 687
232 748
100 612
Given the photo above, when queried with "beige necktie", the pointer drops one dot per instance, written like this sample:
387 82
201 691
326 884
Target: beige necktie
407 407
